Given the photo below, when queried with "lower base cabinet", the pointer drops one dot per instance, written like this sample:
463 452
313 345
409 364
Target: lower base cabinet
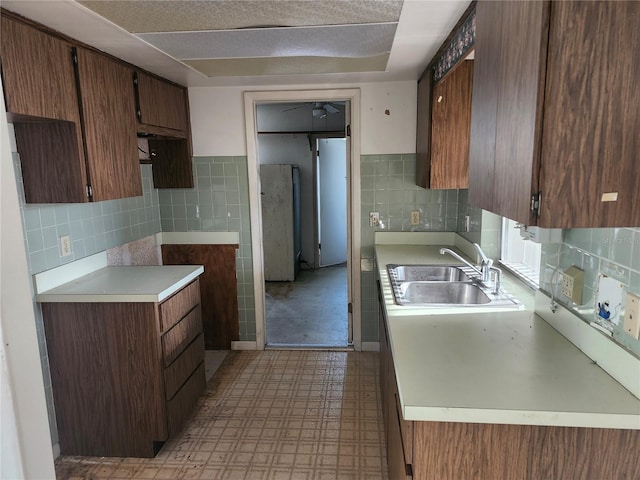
452 450
218 289
126 375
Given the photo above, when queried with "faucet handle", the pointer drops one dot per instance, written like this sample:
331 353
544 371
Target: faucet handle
483 258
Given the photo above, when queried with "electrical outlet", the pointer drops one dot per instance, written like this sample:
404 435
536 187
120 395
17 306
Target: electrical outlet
374 219
415 217
65 245
573 284
632 316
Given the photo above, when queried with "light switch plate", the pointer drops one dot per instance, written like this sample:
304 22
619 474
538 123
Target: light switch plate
374 219
632 316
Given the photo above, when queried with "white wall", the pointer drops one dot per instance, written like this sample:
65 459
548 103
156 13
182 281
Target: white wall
217 117
26 442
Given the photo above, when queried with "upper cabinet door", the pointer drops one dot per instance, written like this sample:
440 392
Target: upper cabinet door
450 121
506 125
108 105
38 75
161 103
590 174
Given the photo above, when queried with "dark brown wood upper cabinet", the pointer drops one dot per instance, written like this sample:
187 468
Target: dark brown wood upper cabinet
554 112
42 102
161 104
450 123
108 107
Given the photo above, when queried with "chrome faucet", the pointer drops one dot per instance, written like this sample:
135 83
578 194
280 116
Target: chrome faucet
485 268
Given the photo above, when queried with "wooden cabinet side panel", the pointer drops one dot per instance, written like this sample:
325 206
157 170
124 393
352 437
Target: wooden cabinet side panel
161 103
592 116
106 372
484 104
423 130
450 451
522 59
108 105
218 286
450 123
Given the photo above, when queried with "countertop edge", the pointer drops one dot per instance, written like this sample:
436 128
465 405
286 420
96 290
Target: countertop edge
120 297
521 417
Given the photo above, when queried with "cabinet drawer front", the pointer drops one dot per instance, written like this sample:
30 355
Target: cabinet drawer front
406 433
184 365
177 306
179 407
181 335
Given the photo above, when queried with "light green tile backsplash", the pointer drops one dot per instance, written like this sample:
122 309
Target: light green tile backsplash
218 203
93 227
388 186
614 252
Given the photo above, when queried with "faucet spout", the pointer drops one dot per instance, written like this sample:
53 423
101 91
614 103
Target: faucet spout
459 258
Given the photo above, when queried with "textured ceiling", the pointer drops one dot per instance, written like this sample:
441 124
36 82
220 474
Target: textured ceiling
250 38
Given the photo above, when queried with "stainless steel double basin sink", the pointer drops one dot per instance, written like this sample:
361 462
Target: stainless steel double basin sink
442 286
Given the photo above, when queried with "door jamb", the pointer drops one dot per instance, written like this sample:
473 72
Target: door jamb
251 99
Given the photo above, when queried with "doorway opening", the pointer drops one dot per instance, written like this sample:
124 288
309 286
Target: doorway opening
303 178
315 308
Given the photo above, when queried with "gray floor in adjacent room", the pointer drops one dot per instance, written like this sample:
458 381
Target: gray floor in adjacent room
312 311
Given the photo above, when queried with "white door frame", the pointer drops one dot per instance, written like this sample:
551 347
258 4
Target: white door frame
251 99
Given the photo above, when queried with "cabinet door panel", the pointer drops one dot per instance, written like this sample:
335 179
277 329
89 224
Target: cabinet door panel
38 74
591 140
218 287
484 104
161 103
451 116
520 100
108 106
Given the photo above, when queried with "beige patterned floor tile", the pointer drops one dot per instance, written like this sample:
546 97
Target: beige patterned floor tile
294 415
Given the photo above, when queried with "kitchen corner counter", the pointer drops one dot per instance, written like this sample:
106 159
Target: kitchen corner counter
124 284
507 367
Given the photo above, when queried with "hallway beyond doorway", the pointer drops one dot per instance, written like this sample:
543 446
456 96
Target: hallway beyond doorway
310 312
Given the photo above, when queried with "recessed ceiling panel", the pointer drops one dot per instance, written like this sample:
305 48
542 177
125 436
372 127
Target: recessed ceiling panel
242 67
329 41
141 16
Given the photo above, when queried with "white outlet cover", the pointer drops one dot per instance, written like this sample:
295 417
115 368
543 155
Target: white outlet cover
609 301
632 316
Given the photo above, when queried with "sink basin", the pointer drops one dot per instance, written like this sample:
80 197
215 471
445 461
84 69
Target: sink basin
427 273
449 293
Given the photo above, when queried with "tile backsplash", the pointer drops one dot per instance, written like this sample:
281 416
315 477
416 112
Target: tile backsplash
388 186
614 252
219 202
93 227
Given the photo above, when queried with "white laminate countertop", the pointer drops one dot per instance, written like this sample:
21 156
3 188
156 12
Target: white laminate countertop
498 367
124 284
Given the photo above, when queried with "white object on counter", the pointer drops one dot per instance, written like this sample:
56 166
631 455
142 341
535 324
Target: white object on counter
124 284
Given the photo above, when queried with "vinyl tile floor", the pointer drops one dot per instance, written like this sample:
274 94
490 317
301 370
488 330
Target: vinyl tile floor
312 311
269 415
